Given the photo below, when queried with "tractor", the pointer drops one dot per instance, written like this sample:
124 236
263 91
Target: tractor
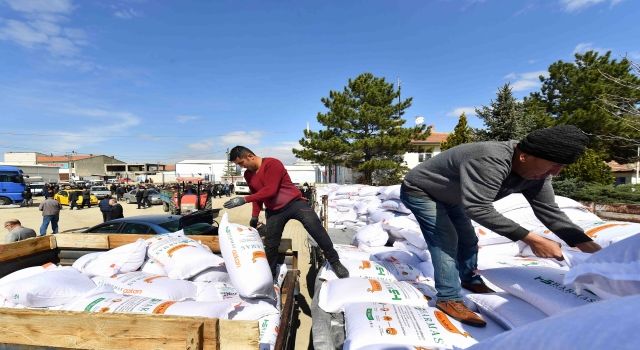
185 198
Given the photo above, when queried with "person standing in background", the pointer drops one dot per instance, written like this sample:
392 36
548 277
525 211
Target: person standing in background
50 209
105 209
116 209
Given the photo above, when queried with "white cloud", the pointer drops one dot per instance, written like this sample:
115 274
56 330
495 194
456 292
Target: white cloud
578 5
42 27
584 47
281 151
186 118
242 138
107 123
41 6
204 145
456 112
525 81
127 13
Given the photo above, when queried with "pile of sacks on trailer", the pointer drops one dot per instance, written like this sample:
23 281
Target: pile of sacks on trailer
168 274
586 301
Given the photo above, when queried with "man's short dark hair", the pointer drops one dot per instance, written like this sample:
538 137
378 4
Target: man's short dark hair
239 152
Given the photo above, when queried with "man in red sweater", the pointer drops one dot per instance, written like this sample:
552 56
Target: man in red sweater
271 185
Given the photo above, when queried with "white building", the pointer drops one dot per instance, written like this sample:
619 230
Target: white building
424 149
305 171
205 169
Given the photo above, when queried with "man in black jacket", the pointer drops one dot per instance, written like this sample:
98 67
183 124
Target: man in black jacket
86 197
139 194
73 200
116 209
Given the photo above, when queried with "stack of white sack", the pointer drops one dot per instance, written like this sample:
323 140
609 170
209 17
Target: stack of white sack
353 206
169 274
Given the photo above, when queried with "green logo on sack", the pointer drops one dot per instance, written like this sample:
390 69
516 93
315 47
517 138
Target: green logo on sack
370 314
396 294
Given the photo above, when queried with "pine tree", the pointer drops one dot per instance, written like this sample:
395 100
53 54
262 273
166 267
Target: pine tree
504 119
599 95
363 131
590 168
462 133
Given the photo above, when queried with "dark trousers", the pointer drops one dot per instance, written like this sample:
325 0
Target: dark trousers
147 202
73 204
106 216
139 202
297 210
86 202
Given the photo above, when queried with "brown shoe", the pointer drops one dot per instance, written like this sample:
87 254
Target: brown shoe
479 288
459 312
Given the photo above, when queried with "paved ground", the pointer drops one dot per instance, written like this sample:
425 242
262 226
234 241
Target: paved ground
75 219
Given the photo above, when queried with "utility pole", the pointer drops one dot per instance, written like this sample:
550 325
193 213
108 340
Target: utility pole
638 167
399 99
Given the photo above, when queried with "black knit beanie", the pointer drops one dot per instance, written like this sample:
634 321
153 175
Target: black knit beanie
562 144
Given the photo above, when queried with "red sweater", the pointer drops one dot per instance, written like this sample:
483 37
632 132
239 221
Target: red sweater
270 185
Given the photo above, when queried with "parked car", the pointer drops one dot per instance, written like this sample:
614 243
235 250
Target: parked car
37 188
241 187
197 223
100 192
154 196
63 197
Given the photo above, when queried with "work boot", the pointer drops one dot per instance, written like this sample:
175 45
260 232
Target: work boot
339 269
478 287
458 311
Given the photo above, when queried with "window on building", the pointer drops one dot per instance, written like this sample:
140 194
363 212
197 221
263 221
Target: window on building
424 156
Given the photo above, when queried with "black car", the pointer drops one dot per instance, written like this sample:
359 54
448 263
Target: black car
197 223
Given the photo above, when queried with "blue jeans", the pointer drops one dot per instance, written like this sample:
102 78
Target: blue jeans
451 240
53 219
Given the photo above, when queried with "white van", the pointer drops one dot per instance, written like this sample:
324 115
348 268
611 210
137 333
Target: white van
241 187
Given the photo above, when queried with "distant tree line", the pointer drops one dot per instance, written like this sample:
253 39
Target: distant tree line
363 128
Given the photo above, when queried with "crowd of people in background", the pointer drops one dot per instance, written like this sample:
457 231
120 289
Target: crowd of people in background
109 206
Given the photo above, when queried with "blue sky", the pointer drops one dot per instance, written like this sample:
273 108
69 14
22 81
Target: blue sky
170 80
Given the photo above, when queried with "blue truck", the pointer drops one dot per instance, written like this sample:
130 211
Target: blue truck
11 185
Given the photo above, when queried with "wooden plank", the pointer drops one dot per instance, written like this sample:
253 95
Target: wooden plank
26 247
82 241
286 315
239 335
79 330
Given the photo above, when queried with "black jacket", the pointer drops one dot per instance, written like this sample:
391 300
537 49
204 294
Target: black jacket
116 212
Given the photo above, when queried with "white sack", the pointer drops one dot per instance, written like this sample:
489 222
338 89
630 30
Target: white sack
213 274
269 329
508 311
390 271
371 235
51 287
541 287
216 292
384 326
118 303
153 267
181 256
610 324
151 286
245 259
335 294
123 259
611 272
